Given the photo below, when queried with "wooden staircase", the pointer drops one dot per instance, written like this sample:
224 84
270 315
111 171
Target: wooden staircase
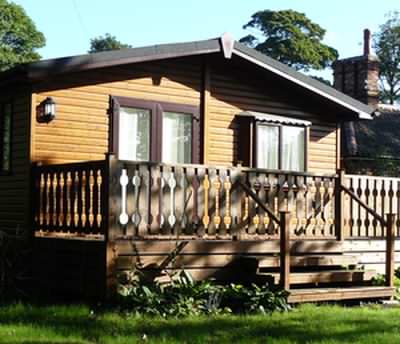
332 277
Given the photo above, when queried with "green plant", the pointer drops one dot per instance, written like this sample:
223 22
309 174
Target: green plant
380 280
183 296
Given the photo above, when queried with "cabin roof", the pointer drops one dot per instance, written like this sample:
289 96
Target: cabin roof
46 68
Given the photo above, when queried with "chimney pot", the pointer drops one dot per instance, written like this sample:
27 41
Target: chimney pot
367 42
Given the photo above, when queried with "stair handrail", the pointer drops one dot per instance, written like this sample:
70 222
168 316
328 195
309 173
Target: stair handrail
259 202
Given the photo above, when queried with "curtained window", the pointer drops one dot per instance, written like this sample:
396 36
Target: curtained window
154 131
280 147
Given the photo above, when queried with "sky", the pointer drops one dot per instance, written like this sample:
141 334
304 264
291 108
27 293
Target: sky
68 25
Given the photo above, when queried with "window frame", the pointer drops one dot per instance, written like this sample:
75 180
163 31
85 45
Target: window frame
280 142
156 108
3 106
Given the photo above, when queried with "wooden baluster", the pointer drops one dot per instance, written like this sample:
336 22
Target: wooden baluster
199 202
100 189
330 207
253 219
323 205
206 188
257 211
390 249
228 205
61 217
265 189
312 191
172 187
216 196
91 199
42 206
123 181
367 220
187 199
69 217
161 217
235 199
88 197
155 199
291 205
145 200
83 199
136 215
300 206
56 196
273 201
48 206
262 195
78 201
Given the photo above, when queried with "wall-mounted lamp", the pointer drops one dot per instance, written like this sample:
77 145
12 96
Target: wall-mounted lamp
46 110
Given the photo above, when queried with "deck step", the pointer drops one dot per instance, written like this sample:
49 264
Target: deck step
331 276
303 261
337 294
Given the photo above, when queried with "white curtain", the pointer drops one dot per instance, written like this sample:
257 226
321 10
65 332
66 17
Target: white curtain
293 148
134 134
267 146
176 138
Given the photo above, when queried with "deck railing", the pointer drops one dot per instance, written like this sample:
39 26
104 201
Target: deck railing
148 200
71 198
207 202
381 194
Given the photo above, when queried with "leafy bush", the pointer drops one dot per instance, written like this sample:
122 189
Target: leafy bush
380 280
182 296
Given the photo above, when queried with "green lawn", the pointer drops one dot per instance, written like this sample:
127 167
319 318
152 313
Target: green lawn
306 324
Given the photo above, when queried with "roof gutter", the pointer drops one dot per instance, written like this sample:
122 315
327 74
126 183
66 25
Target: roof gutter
361 114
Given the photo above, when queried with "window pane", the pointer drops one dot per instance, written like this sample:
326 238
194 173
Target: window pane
134 134
177 138
6 138
267 146
293 148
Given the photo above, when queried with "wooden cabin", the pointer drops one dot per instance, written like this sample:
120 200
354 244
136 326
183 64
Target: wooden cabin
189 155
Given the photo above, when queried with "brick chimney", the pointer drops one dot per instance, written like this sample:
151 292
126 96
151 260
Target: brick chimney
358 76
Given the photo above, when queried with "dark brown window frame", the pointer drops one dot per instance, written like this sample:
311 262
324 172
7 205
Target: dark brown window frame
3 106
156 108
280 144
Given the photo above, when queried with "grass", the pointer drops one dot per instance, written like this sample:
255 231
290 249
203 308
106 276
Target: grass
306 324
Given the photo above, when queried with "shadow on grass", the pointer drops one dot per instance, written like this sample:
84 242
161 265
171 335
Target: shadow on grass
306 325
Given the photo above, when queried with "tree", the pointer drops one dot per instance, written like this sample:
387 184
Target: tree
387 48
19 37
106 43
290 37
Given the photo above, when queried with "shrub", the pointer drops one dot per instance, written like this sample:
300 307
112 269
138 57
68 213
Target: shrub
182 296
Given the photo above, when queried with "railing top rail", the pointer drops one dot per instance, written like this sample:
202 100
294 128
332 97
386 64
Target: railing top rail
227 167
372 177
75 165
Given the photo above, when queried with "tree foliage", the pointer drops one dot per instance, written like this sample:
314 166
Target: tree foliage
19 37
387 47
106 43
289 37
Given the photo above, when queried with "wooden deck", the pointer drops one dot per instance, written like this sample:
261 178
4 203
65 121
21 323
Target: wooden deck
204 218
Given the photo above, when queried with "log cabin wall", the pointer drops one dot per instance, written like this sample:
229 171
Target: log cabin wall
232 91
15 186
80 131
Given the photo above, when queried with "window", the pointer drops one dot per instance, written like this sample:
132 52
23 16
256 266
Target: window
154 131
5 137
280 147
272 141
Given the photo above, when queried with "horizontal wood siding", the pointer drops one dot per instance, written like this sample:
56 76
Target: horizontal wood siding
15 187
230 95
80 130
205 259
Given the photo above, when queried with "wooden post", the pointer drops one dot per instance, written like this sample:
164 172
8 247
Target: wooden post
390 248
339 204
113 206
284 249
